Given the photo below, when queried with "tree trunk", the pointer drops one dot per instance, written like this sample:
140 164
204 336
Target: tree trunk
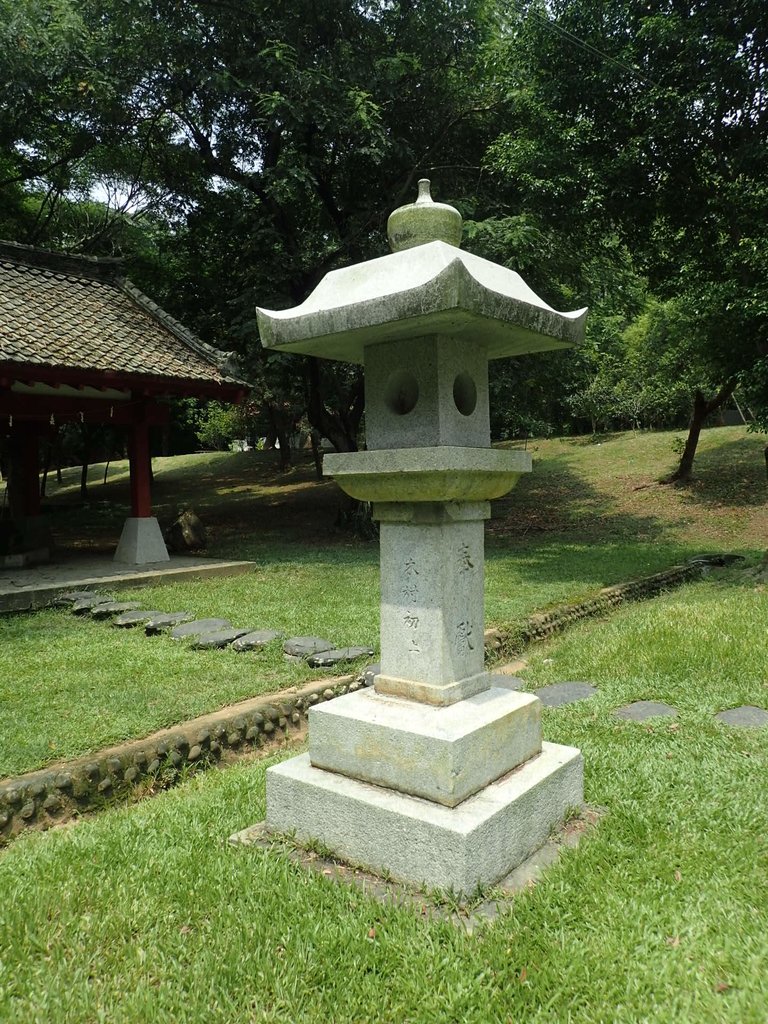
314 439
84 480
280 426
46 467
285 446
356 517
702 408
339 426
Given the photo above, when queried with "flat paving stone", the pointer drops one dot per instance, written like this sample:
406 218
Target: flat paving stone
255 639
747 716
369 673
72 596
166 620
103 611
556 694
717 558
304 646
199 626
502 681
642 709
85 604
218 638
338 655
135 618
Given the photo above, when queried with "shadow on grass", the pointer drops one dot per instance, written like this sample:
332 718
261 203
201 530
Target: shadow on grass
254 511
245 502
591 563
730 474
558 500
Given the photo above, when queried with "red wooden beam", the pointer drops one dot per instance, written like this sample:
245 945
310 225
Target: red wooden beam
66 409
149 383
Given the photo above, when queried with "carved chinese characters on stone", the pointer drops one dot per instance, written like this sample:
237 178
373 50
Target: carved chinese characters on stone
464 637
410 592
466 562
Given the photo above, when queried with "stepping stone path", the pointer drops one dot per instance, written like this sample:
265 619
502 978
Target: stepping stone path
557 694
338 656
218 638
746 717
164 621
502 681
209 633
104 611
198 627
642 709
137 618
320 653
258 638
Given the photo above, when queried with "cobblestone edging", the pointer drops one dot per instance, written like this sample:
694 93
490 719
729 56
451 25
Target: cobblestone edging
510 640
43 798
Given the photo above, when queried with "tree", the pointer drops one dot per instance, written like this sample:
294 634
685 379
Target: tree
274 138
649 121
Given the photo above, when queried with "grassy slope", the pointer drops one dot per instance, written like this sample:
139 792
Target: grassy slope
145 914
590 514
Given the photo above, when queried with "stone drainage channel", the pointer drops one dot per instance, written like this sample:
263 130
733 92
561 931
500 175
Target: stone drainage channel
43 798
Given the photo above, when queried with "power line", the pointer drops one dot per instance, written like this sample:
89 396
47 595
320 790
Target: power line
578 41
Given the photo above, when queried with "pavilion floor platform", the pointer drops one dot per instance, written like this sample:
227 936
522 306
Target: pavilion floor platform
37 586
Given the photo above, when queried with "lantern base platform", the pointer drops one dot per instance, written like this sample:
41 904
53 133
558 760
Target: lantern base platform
443 754
421 842
141 542
432 694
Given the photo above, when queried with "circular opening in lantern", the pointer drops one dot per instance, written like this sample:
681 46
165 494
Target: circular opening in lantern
401 393
465 394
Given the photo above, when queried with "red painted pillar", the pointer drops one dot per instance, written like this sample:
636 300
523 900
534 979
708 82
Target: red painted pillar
24 483
138 454
30 468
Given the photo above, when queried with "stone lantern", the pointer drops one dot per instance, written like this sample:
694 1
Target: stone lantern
438 773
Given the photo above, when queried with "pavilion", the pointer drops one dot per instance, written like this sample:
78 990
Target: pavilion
80 343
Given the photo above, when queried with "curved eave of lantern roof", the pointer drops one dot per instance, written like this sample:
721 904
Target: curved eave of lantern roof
430 289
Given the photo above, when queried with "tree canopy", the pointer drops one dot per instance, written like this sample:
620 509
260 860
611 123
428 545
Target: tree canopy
612 151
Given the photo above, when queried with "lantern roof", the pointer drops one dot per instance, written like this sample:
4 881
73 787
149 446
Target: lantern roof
429 289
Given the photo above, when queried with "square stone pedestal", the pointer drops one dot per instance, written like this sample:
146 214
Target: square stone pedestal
448 797
418 841
141 542
443 754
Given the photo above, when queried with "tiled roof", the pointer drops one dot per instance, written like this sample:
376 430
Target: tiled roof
80 313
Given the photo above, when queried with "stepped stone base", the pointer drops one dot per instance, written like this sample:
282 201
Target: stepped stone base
444 754
425 843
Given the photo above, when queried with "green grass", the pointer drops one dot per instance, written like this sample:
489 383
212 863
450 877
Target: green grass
591 514
145 914
71 685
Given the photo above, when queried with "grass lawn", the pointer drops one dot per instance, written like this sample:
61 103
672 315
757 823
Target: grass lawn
591 514
144 914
